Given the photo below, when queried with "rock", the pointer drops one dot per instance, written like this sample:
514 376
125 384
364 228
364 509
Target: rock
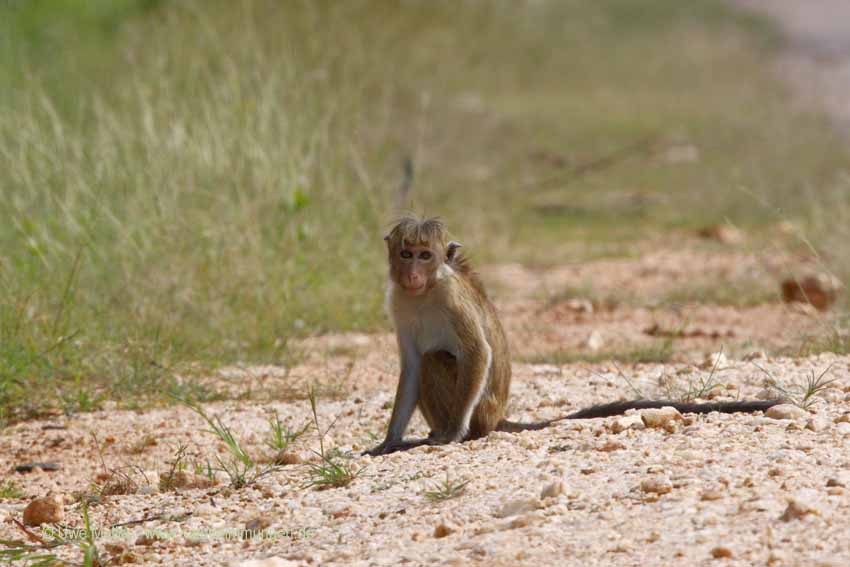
594 341
820 290
443 529
660 417
840 481
712 495
46 510
516 507
553 490
845 418
786 411
610 446
721 552
287 458
843 428
816 424
634 421
727 234
797 509
579 305
656 486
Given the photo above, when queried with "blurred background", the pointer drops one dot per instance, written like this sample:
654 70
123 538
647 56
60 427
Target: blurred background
185 184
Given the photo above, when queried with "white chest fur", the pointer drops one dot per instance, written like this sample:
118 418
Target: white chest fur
423 321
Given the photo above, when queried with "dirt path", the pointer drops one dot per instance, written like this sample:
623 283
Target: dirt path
817 61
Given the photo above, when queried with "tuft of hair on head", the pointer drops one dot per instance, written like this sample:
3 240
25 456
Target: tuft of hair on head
414 231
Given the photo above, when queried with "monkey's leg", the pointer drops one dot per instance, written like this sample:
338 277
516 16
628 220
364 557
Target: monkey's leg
439 381
474 364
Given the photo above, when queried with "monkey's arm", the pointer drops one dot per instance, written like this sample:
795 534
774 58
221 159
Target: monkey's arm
406 398
474 360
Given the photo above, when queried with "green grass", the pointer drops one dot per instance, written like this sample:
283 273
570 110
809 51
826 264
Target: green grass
446 489
9 490
186 184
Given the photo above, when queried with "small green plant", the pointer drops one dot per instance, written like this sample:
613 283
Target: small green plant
205 469
10 490
240 468
332 471
801 395
446 489
176 464
91 557
699 387
280 436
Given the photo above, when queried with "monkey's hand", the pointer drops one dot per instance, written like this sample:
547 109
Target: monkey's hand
389 446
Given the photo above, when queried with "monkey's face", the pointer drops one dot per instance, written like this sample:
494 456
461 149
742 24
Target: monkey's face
414 267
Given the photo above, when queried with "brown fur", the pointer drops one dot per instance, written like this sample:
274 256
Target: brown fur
455 359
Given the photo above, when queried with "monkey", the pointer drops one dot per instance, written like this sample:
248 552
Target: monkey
455 357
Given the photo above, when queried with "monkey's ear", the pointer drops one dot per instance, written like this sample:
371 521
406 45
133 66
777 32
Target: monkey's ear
451 249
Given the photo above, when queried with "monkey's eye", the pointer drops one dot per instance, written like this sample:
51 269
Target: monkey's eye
406 254
426 255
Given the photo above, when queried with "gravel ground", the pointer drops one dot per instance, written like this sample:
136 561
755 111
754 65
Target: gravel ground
597 492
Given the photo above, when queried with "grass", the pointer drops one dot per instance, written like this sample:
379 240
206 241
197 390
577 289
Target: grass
446 490
332 471
280 437
801 395
240 467
169 210
9 490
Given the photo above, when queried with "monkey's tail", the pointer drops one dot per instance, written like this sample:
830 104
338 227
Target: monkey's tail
619 408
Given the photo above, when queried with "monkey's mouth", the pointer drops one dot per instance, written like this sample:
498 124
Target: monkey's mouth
409 290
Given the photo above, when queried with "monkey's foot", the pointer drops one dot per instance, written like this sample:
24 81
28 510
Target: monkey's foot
388 447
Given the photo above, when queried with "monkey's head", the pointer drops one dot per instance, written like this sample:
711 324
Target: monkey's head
417 249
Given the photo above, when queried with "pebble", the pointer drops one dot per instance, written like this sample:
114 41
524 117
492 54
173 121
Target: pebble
624 423
443 529
721 552
816 424
553 490
786 411
46 510
516 507
798 509
712 495
656 486
660 418
287 458
594 341
820 289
